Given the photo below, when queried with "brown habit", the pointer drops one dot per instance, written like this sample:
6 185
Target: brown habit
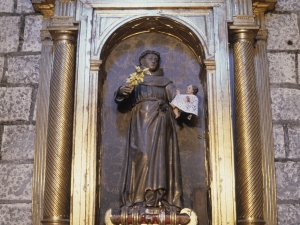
152 154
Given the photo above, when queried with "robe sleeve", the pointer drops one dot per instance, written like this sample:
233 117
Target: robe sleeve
119 97
171 91
124 102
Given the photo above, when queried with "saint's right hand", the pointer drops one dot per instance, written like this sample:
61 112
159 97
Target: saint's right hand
125 90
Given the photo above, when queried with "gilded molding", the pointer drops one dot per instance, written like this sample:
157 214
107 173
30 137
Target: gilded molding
248 20
245 33
65 35
210 64
60 130
95 65
270 4
46 7
247 131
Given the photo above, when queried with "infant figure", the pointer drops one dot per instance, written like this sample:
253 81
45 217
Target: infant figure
186 102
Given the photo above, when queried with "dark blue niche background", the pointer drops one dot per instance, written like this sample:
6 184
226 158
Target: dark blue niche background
180 65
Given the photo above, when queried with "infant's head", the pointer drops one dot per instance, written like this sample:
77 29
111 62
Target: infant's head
191 89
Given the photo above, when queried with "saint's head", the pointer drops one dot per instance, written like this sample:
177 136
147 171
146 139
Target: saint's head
150 59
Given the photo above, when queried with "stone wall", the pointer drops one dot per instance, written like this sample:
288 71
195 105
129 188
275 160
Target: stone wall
20 48
284 60
19 75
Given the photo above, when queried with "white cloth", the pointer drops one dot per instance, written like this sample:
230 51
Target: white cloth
180 101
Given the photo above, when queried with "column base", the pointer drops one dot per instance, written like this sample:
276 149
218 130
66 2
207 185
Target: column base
55 221
251 222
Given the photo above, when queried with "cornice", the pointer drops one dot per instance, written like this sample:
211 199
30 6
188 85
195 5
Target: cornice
267 5
45 7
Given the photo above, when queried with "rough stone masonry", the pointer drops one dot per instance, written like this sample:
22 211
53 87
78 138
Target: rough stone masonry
20 48
283 53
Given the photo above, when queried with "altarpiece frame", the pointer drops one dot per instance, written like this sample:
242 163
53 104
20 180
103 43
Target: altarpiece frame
78 36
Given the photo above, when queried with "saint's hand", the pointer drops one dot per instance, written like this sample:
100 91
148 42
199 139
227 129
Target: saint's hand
125 90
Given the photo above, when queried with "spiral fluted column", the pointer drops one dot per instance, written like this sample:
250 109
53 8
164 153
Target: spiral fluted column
247 123
60 128
263 90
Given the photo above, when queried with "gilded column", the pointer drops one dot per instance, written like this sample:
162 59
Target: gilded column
263 89
41 125
60 130
247 129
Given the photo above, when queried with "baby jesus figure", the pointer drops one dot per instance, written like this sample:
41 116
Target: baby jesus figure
186 102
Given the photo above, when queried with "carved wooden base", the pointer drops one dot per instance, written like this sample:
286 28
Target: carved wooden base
140 215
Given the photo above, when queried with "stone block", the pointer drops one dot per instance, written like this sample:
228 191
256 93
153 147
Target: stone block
288 5
32 39
1 67
294 139
9 30
6 6
24 6
283 31
23 69
285 104
282 68
15 103
279 148
288 180
16 181
16 214
288 214
18 142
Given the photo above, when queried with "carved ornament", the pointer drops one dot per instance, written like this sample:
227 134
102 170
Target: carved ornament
46 7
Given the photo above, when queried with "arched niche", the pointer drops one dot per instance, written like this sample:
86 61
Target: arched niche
182 57
155 24
104 26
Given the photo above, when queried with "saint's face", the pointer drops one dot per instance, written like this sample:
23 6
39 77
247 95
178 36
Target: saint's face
189 90
150 61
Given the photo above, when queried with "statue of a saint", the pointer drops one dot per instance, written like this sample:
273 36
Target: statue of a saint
152 175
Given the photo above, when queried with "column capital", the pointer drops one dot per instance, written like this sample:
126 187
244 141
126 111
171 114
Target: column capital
210 64
63 33
247 33
95 65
